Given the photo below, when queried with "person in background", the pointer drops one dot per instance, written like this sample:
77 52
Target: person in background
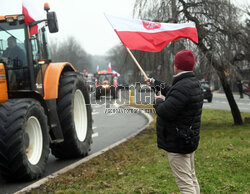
240 88
179 119
14 53
248 89
85 73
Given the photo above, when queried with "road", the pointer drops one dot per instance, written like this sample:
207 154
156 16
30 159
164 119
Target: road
220 102
109 128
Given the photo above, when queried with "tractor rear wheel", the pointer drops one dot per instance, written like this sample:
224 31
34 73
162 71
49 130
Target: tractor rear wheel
74 111
24 139
114 92
98 93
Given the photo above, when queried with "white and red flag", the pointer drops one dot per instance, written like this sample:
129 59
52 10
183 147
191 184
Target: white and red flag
109 68
33 12
149 36
97 69
115 72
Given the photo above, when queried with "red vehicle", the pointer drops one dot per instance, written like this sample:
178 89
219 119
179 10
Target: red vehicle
106 84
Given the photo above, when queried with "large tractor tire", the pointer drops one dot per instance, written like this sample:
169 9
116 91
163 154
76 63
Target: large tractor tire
98 93
24 140
74 111
114 92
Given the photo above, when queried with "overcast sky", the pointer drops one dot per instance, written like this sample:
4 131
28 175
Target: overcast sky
84 20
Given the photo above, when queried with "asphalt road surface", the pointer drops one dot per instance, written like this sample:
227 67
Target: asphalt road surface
220 102
109 128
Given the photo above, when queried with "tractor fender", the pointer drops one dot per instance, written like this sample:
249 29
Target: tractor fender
52 77
3 84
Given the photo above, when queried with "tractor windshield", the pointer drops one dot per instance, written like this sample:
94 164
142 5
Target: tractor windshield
13 55
105 78
12 47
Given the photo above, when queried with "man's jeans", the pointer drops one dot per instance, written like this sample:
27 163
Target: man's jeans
183 169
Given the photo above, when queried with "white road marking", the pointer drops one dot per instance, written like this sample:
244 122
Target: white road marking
116 105
111 114
95 113
244 108
97 105
93 128
244 104
95 135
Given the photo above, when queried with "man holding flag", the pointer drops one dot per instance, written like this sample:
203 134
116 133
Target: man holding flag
179 120
179 114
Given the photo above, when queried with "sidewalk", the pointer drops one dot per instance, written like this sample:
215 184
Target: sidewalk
236 96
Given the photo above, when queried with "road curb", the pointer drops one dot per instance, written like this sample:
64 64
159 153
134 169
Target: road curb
76 164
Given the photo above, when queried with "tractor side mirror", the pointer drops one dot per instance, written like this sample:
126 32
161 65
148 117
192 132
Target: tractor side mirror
52 22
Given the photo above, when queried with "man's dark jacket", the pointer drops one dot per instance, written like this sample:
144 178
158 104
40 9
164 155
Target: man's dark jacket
181 108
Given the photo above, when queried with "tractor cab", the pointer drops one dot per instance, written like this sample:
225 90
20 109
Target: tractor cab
13 52
24 57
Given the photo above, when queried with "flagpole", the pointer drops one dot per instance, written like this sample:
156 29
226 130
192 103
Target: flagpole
136 62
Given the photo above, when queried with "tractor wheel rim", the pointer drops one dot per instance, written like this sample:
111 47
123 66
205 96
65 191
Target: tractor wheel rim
35 136
80 115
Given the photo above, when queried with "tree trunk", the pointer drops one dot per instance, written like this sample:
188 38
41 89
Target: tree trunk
226 87
234 107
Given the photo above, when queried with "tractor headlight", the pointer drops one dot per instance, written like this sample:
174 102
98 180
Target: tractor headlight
105 86
20 18
9 19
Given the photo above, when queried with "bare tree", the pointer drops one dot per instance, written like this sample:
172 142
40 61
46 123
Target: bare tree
221 35
71 51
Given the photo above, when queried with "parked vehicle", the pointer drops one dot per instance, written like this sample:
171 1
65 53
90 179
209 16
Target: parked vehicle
207 91
122 83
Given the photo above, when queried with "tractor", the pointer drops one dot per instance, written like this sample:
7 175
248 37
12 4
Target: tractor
44 106
106 84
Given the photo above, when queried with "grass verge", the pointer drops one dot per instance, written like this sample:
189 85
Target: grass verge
138 166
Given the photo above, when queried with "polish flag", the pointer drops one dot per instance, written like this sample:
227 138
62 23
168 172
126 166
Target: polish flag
149 36
109 68
33 12
97 68
115 72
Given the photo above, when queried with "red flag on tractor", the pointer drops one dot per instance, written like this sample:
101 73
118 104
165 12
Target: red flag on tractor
32 13
109 68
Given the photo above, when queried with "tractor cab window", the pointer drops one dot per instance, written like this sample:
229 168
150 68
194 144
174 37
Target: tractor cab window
12 45
39 45
40 52
35 50
13 55
105 78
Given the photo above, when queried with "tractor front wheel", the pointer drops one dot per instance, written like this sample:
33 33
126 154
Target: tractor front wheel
24 139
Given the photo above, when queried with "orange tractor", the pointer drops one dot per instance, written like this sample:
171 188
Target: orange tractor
106 84
43 105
